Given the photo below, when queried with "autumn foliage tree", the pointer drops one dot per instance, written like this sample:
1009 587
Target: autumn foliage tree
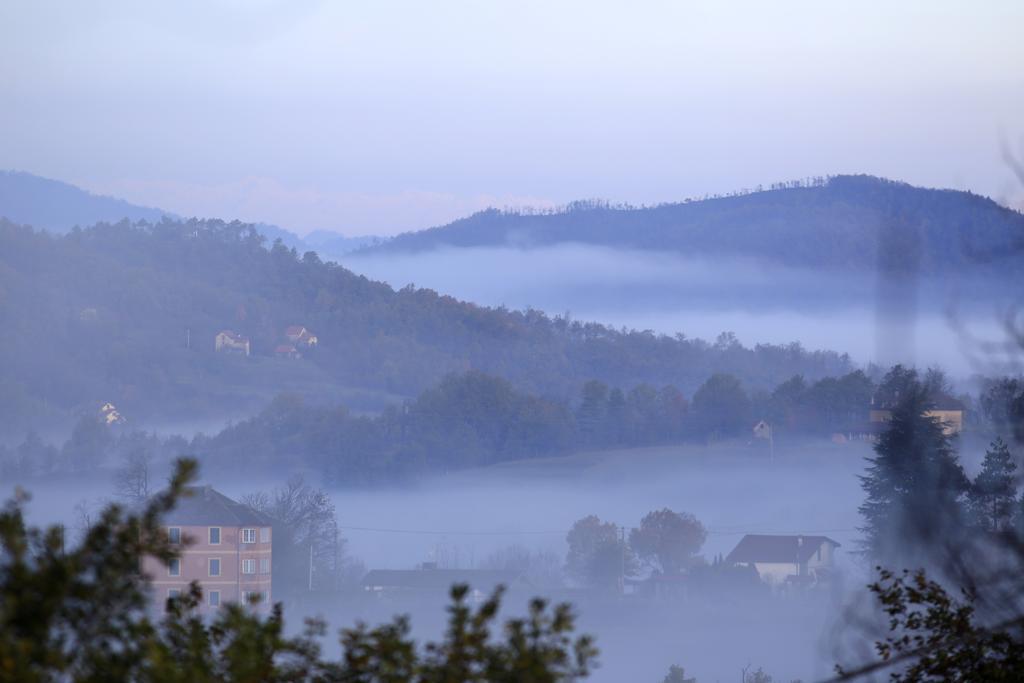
668 540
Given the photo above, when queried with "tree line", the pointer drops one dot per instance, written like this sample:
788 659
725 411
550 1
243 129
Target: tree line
127 313
474 419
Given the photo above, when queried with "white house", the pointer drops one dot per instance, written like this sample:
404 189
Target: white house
227 341
781 559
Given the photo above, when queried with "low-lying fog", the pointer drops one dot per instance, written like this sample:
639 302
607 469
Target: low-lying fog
808 487
703 297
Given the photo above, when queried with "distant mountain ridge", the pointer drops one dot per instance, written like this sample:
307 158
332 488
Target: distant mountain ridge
844 221
57 207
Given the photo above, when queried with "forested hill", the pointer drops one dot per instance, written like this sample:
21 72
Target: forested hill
128 314
844 221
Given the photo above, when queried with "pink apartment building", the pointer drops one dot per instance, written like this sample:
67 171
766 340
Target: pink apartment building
225 546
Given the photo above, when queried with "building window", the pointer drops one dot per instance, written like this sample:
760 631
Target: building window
253 597
248 566
265 534
214 597
264 565
214 535
174 535
248 535
214 566
173 593
174 567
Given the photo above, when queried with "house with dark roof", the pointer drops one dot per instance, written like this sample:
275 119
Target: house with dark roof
427 579
786 559
223 545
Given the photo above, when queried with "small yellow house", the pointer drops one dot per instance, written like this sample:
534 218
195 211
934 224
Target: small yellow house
949 412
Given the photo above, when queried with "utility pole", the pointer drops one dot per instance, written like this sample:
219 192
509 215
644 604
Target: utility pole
310 567
622 560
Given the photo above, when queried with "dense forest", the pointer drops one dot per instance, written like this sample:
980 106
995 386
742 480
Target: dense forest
844 221
128 313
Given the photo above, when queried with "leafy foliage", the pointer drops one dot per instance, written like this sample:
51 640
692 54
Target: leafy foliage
668 539
934 636
597 556
80 614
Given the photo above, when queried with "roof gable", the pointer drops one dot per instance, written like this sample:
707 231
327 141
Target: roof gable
777 549
205 506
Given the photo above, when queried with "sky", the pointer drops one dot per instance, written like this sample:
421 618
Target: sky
382 117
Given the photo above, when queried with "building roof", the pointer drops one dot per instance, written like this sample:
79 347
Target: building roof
764 548
438 579
295 330
205 506
232 336
285 348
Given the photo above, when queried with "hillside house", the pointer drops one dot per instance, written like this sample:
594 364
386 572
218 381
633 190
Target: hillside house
300 336
762 430
287 351
109 414
225 546
227 341
786 559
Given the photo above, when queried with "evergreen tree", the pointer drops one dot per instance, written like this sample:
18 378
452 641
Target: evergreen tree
593 410
993 493
914 484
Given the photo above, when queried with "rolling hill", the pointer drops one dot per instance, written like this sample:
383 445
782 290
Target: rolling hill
129 313
856 222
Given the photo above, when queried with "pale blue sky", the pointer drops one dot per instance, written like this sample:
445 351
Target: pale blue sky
381 116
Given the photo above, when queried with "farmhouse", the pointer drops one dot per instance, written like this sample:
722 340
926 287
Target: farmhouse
224 545
781 559
300 336
227 341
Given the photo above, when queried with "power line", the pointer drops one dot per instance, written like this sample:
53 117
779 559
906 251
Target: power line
504 532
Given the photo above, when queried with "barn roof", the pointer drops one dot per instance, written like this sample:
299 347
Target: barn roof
765 548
